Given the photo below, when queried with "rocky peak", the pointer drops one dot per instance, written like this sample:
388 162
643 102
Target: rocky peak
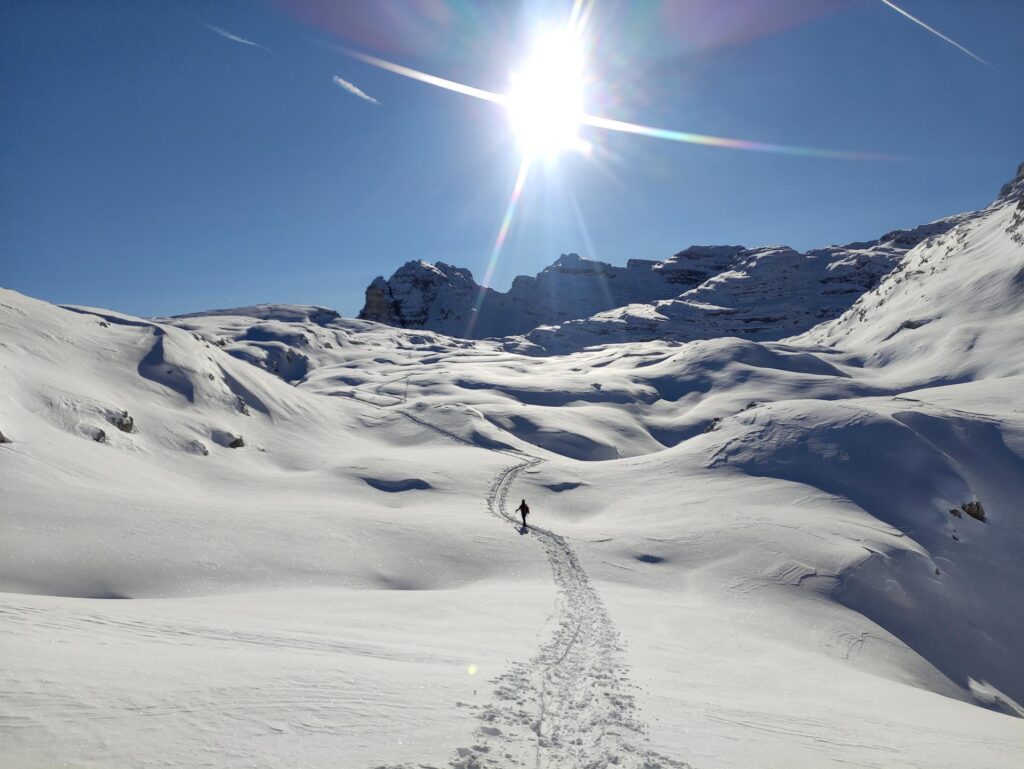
576 264
425 273
1014 189
379 305
419 293
692 266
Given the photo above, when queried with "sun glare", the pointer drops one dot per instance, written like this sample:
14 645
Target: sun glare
545 101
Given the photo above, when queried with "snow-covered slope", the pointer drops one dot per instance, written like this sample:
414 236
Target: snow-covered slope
953 307
800 553
147 428
765 293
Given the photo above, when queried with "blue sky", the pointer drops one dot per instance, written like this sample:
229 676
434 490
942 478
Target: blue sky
153 165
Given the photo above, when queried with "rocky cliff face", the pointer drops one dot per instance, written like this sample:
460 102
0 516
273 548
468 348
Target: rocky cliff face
421 295
447 299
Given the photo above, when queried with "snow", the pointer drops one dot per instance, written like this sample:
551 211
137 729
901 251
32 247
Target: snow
741 552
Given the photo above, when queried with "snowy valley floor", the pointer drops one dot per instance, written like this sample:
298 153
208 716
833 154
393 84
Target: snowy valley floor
766 576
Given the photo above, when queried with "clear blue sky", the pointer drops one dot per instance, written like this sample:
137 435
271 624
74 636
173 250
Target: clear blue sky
151 165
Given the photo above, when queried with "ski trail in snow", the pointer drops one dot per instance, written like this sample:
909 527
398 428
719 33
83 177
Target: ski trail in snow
569 706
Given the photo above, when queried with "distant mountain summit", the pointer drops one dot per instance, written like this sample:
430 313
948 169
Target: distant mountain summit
447 299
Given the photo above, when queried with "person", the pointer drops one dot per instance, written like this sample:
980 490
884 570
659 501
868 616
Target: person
524 509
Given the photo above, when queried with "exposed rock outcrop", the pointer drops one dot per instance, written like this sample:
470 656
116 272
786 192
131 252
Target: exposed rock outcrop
123 421
447 299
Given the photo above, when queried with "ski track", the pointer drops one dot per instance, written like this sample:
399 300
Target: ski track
570 706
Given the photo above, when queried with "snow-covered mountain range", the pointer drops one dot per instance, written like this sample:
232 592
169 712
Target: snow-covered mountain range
743 550
699 293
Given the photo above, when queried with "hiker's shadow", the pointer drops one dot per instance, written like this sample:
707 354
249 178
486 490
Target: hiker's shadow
524 529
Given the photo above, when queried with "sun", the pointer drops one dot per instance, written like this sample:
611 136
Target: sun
545 100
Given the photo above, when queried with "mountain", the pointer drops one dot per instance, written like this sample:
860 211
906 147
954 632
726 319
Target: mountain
699 293
447 299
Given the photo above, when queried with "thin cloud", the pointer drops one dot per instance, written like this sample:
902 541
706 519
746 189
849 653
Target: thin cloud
355 90
936 32
235 38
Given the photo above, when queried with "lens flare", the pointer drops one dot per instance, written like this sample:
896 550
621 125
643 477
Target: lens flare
722 141
506 223
499 241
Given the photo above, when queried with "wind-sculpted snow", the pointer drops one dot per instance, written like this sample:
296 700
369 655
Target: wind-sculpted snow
176 468
290 342
271 536
650 396
908 463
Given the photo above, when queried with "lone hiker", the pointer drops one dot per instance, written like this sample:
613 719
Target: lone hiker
524 509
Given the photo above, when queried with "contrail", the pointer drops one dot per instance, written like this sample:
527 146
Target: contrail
235 38
355 90
936 32
499 242
423 77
